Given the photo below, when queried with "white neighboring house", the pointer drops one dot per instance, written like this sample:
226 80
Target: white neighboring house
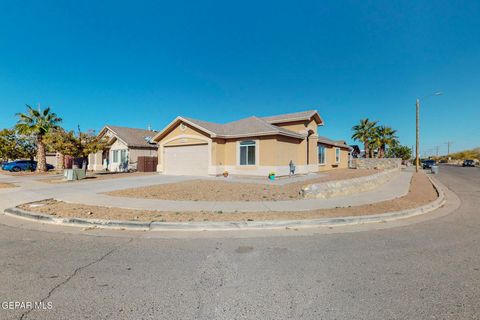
125 145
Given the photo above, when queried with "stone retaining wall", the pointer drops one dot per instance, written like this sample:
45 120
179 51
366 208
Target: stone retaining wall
349 186
374 163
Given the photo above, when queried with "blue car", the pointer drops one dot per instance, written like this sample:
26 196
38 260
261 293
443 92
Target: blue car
22 165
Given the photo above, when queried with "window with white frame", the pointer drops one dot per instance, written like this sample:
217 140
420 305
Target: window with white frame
247 153
321 154
123 156
337 155
115 156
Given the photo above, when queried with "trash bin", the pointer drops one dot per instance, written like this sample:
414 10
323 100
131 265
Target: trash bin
74 174
435 169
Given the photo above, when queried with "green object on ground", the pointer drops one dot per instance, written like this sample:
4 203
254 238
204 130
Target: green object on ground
74 174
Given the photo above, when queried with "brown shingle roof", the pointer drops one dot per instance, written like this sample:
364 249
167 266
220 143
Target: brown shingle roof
296 116
244 127
133 137
335 143
247 127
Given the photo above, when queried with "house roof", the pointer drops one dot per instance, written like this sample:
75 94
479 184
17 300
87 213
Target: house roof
132 137
335 143
247 127
296 116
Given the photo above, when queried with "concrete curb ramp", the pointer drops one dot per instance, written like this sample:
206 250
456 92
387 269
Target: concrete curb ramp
225 226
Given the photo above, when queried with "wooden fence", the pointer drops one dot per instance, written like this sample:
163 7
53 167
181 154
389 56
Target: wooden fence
147 164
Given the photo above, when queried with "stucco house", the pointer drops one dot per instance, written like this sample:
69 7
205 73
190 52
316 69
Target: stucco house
250 146
333 154
125 145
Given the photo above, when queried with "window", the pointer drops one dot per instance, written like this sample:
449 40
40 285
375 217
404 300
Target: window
321 154
115 156
337 155
123 156
247 153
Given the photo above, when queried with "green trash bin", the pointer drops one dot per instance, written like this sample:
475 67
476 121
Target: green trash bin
74 174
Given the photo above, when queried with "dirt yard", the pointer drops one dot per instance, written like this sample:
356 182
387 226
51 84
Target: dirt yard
30 173
208 190
6 185
421 192
96 176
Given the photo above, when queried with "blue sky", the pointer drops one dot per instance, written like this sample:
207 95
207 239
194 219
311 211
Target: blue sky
135 63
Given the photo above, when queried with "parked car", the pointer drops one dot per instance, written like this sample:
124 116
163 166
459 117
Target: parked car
468 163
427 164
23 165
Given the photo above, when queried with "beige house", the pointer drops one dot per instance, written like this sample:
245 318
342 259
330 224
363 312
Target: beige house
333 154
125 145
250 146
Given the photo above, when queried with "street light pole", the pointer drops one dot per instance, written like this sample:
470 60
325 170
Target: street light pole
417 160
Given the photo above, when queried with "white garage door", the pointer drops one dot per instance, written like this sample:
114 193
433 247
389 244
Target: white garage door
187 160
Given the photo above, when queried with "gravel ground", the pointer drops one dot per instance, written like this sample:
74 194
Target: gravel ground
101 176
30 173
6 185
421 192
207 190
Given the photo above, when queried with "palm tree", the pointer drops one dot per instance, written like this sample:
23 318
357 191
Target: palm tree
385 137
364 132
37 123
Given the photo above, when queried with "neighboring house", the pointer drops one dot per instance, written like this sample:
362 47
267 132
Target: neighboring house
125 145
250 146
333 154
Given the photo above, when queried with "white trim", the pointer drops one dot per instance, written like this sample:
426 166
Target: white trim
227 136
114 135
324 155
257 154
261 134
155 138
262 170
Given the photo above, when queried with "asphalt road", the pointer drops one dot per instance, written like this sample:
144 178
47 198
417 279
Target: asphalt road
426 270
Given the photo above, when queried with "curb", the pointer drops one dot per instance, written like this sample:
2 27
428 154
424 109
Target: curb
228 226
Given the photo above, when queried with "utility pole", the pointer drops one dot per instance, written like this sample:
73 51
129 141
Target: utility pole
448 143
437 148
417 149
417 160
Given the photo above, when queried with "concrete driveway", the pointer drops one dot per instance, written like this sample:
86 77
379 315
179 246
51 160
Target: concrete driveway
423 270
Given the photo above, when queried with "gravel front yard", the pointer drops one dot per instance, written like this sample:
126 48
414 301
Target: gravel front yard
421 192
6 185
96 176
209 190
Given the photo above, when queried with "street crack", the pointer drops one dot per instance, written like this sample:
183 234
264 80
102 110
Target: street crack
75 272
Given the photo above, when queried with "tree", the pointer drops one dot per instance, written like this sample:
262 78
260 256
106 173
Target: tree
88 142
8 145
364 132
37 124
385 136
399 151
62 142
14 146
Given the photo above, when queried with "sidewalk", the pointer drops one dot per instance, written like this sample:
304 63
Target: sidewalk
395 188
